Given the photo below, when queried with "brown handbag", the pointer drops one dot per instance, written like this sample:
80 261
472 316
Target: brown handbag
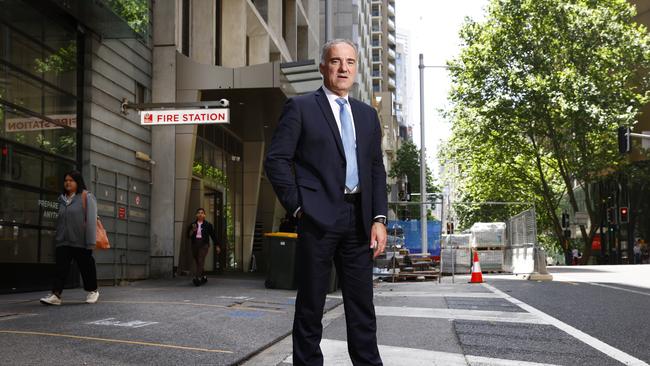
101 241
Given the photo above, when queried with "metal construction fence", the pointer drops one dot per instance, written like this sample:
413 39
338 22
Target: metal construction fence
501 247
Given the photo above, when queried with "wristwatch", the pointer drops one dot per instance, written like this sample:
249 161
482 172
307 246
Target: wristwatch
380 219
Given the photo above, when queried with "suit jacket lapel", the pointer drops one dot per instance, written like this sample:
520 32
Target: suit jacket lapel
325 107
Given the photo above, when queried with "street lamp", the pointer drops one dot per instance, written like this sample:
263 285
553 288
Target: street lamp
423 166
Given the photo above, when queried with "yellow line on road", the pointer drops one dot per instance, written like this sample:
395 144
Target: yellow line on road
232 307
109 340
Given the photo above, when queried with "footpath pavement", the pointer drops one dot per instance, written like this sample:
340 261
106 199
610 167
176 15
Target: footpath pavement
231 321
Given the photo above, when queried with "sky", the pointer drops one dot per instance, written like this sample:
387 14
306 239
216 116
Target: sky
432 27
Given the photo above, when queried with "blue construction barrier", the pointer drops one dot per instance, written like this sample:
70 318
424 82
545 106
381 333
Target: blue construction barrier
410 231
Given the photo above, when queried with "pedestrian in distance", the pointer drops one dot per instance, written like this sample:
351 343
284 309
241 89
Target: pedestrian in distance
637 251
75 237
200 232
576 255
325 164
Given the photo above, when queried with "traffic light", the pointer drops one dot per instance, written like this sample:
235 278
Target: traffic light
624 140
624 215
565 220
611 216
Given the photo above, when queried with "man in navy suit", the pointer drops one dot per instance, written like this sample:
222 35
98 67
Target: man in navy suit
325 164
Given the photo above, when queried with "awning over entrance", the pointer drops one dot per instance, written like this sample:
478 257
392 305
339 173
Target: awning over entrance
256 93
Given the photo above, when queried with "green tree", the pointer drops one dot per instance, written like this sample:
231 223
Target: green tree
538 92
407 164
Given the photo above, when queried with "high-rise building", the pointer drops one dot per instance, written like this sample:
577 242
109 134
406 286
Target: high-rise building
384 85
350 19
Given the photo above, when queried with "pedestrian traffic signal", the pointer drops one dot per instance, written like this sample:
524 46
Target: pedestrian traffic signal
624 140
565 220
624 215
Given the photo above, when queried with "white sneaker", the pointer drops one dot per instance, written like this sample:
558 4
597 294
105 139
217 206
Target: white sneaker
51 299
92 297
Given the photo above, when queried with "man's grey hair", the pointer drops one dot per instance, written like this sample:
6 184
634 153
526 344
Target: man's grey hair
330 44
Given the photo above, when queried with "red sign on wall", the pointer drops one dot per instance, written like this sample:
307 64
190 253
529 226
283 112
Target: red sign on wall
121 213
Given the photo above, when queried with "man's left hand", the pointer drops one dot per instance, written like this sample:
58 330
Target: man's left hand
378 238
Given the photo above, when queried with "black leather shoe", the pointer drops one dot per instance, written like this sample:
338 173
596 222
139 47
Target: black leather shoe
196 281
204 279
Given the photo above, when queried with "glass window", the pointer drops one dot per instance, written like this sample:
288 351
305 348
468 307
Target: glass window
18 206
48 250
18 244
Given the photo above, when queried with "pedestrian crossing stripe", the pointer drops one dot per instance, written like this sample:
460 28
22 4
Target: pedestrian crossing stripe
335 353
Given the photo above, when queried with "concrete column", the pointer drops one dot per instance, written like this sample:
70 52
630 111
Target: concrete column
233 42
252 159
302 43
163 142
274 19
259 49
203 31
291 19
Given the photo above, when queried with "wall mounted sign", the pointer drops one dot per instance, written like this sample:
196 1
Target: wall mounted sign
185 117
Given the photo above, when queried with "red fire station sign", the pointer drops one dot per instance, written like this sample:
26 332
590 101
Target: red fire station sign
185 117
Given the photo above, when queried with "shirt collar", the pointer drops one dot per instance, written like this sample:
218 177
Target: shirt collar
332 97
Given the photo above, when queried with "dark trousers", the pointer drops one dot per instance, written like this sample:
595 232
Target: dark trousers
199 251
348 246
85 261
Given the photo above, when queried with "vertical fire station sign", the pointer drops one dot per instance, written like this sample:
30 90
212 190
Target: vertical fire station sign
185 117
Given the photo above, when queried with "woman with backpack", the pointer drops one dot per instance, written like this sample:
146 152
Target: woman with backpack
75 238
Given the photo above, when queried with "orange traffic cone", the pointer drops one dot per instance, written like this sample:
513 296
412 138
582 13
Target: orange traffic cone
477 276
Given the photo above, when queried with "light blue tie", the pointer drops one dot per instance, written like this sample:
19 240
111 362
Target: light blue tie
349 145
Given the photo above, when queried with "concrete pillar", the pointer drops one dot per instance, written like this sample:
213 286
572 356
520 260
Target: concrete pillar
253 155
291 24
259 48
233 42
203 32
274 19
303 43
163 142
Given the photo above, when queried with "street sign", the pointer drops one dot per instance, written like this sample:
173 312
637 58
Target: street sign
137 200
121 213
185 117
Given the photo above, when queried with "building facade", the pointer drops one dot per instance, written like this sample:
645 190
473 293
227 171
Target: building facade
65 68
255 54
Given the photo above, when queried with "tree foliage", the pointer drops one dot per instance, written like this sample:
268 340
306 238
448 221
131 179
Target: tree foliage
407 164
538 91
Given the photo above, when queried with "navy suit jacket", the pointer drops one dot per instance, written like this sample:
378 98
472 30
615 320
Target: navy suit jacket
306 163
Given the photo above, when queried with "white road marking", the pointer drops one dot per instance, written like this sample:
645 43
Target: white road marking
478 295
601 346
481 315
335 353
486 361
118 323
620 288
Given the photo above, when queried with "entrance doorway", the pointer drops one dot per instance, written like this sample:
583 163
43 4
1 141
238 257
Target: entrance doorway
213 204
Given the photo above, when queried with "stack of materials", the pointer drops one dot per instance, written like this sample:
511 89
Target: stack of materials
489 239
455 253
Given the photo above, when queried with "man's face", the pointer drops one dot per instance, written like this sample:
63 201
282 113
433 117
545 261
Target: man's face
340 68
